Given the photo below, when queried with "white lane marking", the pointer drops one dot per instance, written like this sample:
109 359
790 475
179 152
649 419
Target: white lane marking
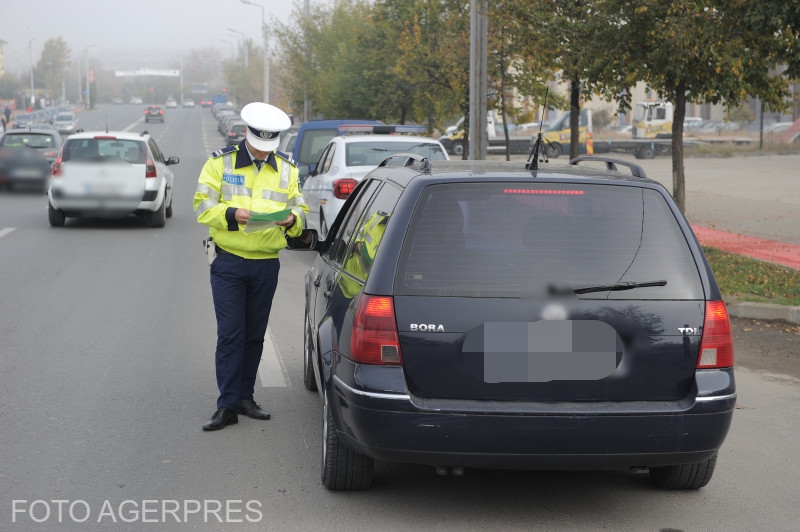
128 128
271 370
4 232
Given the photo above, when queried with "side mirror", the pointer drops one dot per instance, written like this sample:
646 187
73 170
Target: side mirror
308 240
304 170
172 160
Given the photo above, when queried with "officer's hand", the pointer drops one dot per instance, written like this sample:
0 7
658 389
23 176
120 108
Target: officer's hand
287 222
242 215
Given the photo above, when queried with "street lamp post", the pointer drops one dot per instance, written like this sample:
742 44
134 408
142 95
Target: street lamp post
244 47
265 35
30 58
231 45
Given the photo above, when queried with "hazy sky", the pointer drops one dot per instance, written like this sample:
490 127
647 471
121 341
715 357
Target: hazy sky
112 25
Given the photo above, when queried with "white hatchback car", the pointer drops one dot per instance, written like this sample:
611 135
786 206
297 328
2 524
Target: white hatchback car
346 160
111 175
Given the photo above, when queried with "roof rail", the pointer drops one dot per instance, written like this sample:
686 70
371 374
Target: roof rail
611 164
411 158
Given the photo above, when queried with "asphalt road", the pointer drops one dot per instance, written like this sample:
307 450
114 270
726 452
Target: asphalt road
107 336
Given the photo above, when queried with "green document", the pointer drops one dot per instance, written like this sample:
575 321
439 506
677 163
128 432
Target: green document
270 216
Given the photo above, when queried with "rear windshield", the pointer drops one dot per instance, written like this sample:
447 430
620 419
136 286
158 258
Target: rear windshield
373 153
32 140
132 151
515 240
314 141
65 117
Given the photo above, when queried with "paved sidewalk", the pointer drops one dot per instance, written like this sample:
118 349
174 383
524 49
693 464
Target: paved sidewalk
756 248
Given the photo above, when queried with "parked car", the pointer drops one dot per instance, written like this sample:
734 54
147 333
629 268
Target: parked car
235 132
482 314
110 175
154 113
46 141
66 123
346 160
288 139
313 136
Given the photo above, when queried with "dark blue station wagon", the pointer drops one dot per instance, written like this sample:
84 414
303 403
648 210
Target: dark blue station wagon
480 314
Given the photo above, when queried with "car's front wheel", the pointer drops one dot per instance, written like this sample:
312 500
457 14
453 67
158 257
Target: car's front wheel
57 217
684 476
342 468
169 208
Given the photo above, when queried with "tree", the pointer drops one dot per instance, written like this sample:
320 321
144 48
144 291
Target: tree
51 69
688 51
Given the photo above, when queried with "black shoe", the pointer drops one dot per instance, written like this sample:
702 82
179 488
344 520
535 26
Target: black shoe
221 419
250 408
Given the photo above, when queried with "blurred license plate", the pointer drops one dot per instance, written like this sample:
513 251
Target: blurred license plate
28 173
103 189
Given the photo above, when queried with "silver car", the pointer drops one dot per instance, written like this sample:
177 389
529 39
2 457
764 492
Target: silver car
65 123
111 175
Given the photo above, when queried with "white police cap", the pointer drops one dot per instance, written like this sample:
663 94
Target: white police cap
264 125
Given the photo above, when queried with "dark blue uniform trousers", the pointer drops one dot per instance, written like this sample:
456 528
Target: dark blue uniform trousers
242 291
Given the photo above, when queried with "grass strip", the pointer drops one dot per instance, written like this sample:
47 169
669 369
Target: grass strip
754 280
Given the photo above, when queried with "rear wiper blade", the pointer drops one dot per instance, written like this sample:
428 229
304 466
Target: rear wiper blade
627 285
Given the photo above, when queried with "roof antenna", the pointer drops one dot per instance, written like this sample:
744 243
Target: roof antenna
533 157
106 124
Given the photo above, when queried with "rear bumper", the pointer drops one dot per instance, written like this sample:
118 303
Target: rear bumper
397 427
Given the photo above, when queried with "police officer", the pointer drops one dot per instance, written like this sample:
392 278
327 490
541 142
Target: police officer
237 183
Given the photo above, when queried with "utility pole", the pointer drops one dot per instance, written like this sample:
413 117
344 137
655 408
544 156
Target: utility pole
478 61
306 102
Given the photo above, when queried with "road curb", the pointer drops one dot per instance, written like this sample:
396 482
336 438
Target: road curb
762 311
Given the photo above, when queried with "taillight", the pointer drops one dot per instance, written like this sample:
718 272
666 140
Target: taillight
716 344
147 111
57 164
342 188
161 112
374 339
232 134
150 168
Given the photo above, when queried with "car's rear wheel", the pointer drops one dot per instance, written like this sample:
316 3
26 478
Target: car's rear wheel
684 476
308 363
342 468
159 217
645 152
57 217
